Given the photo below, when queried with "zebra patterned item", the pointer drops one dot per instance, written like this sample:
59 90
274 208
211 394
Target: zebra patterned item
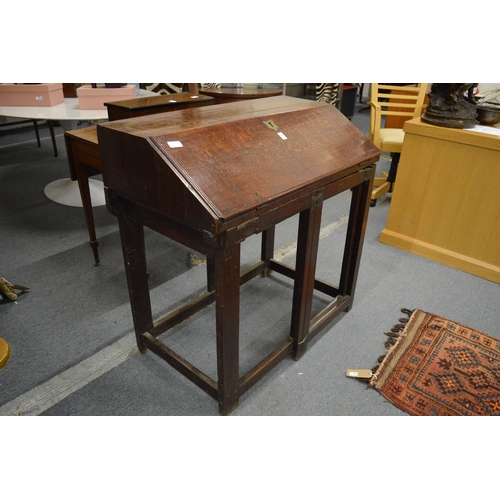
163 88
327 92
210 86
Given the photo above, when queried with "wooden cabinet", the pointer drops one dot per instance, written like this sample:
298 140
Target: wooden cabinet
446 201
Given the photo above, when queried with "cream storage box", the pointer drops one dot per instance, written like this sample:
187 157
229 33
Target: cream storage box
31 94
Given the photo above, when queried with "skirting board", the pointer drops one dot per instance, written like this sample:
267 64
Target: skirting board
442 255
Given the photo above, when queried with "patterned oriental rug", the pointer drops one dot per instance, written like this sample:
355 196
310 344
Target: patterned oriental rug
435 366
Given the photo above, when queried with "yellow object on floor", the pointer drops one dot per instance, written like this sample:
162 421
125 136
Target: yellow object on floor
4 352
7 289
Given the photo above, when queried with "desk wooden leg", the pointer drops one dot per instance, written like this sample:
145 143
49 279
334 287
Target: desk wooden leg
134 256
83 185
267 249
210 275
80 173
307 250
227 307
354 240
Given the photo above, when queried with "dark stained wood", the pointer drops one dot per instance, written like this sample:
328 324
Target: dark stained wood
226 95
354 239
229 195
210 115
234 177
266 365
307 251
130 108
82 145
190 371
84 161
134 255
227 317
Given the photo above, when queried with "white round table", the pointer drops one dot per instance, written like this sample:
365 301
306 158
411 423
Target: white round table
68 114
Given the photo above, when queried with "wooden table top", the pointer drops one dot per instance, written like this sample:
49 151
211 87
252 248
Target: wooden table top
481 135
88 134
226 161
242 93
188 119
159 100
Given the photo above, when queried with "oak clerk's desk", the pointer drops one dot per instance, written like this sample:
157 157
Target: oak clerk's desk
211 177
446 202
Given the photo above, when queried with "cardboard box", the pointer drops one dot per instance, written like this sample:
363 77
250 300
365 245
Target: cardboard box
36 94
89 98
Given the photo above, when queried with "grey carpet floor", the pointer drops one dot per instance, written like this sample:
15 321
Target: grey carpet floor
71 337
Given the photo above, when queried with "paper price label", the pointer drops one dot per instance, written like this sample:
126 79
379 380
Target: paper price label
359 373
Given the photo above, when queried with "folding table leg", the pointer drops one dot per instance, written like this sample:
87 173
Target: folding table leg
355 236
83 185
227 310
305 269
210 275
267 248
80 172
134 256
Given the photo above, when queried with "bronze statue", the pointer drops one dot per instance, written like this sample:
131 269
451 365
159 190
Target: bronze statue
449 106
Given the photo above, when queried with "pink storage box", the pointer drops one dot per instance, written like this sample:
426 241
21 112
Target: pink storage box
37 94
89 98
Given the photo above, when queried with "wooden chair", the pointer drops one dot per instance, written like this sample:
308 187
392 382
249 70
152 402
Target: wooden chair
395 103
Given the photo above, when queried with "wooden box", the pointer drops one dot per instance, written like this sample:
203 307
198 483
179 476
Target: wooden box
36 94
96 98
142 106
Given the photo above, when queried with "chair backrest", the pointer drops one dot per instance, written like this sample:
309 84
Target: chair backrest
404 101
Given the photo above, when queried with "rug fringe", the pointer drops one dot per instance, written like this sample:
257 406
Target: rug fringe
393 337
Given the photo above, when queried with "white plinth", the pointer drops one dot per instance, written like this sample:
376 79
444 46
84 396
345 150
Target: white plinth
66 192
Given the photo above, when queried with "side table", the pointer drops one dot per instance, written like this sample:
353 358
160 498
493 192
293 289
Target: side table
82 145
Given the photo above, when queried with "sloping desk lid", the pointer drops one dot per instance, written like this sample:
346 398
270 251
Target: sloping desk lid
241 165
